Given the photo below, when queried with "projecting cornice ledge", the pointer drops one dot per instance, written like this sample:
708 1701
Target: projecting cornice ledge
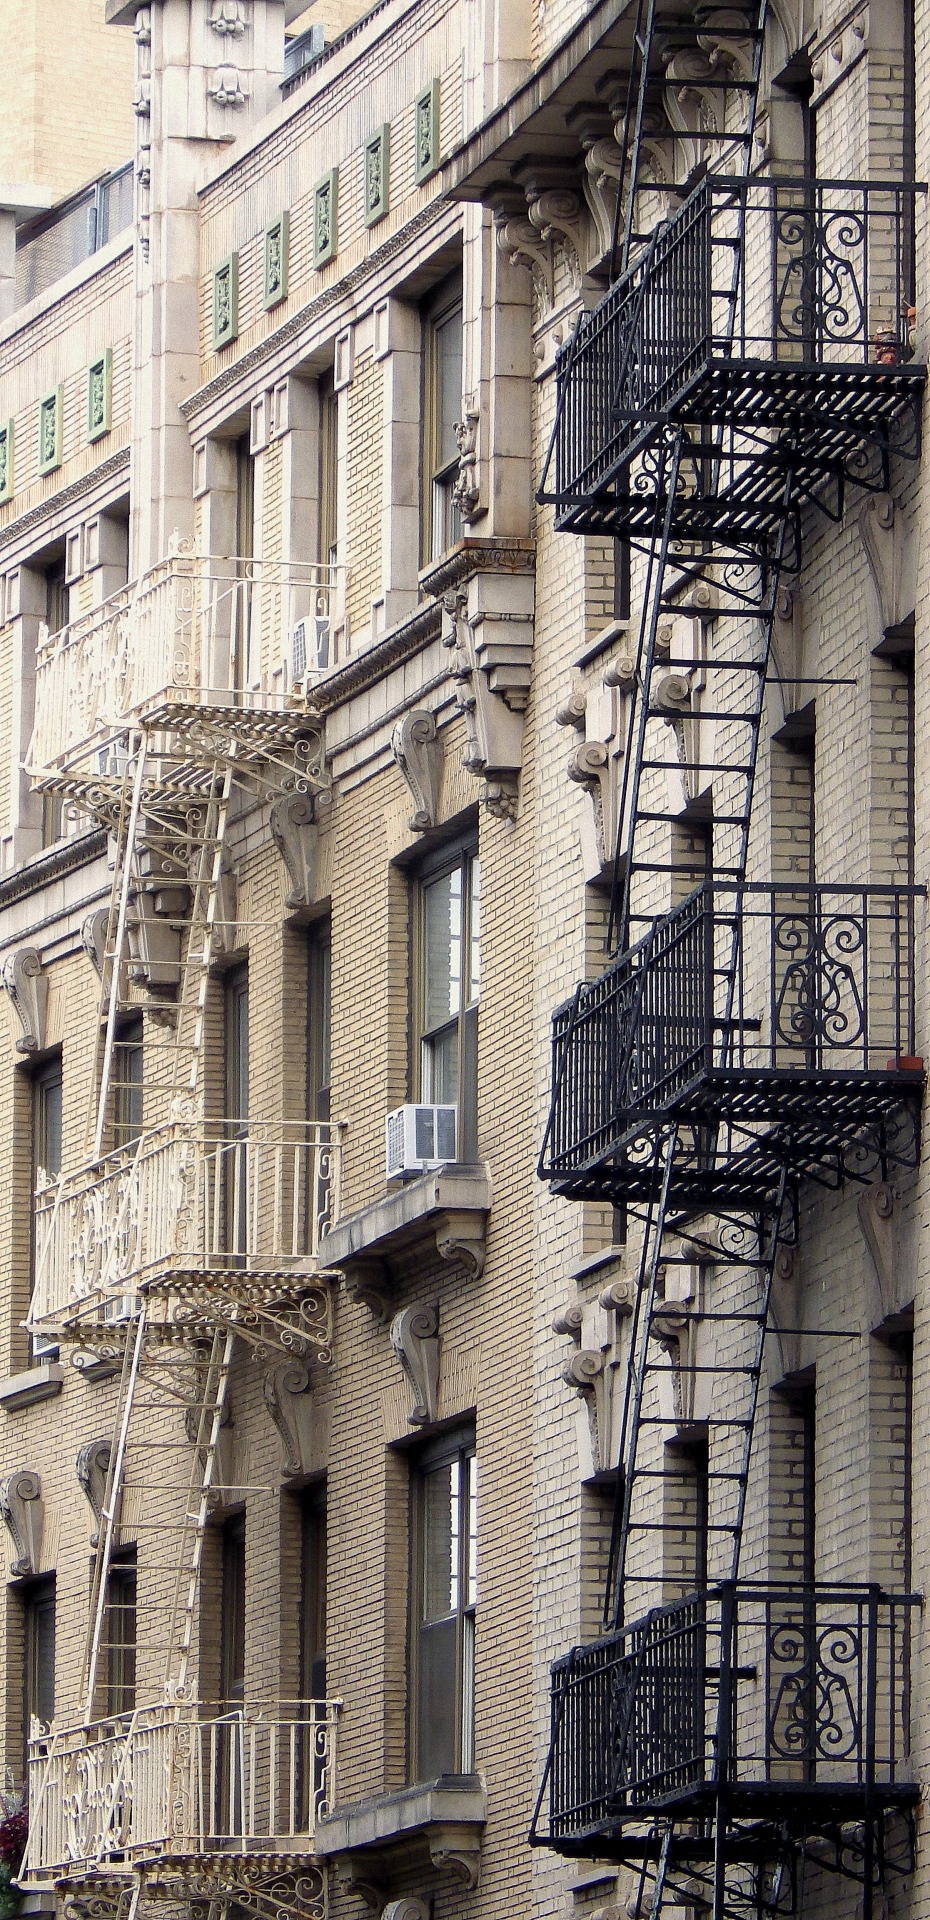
448 1207
438 1823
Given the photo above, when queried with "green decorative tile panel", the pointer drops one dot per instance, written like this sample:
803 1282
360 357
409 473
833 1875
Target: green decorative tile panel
225 301
325 215
376 155
6 460
99 391
50 416
274 274
426 132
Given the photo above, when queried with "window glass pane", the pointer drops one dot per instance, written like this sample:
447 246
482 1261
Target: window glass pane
440 1541
313 1594
48 1124
442 958
449 385
471 1554
474 942
441 1067
127 1087
439 1714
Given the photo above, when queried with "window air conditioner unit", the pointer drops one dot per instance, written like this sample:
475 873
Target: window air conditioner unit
417 1138
309 648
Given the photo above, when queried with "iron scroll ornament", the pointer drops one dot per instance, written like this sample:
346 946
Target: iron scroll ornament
820 998
819 298
817 1674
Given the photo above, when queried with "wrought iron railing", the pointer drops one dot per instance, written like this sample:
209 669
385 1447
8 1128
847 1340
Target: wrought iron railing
194 630
761 983
742 1685
186 1780
185 1199
792 273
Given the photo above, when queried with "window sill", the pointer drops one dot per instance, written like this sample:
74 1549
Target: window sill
446 1815
449 1206
27 1389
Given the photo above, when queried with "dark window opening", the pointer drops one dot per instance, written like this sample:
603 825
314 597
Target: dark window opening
444 1489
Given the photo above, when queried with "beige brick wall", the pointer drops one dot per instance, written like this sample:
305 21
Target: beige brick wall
57 58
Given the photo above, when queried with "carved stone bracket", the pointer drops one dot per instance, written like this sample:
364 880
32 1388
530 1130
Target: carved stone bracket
357 1876
21 1512
415 1340
522 244
618 1298
27 986
460 1238
411 1907
891 550
876 1209
568 1321
294 830
94 940
92 1464
286 1389
457 1847
368 1282
418 753
488 630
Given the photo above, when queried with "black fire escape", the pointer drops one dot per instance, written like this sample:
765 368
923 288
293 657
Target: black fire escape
750 364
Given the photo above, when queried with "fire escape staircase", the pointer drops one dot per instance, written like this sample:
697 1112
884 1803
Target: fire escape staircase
161 1259
750 363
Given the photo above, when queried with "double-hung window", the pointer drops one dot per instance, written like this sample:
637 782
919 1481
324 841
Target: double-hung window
444 1492
442 367
449 981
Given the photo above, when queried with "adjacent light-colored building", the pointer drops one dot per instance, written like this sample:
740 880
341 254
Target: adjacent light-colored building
460 535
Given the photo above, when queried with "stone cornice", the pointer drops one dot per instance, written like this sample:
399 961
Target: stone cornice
57 503
53 865
471 556
301 324
371 666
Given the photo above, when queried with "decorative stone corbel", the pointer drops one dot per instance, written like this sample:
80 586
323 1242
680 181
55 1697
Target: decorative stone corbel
572 711
583 1369
286 1389
27 986
411 1907
603 167
358 1877
876 1208
226 920
458 1847
294 830
21 1512
618 1298
91 1465
94 940
488 630
786 1307
890 548
226 86
155 938
466 492
460 1239
229 17
415 1340
418 754
521 243
568 1321
368 1283
589 766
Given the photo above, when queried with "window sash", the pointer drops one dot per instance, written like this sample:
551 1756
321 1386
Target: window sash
445 1589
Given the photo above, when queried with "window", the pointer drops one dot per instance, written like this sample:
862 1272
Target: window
121 1633
444 1589
313 1593
232 1613
329 454
442 362
245 549
319 988
449 978
39 1654
126 1084
236 1076
46 1165
57 610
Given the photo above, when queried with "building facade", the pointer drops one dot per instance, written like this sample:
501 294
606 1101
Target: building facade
460 535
